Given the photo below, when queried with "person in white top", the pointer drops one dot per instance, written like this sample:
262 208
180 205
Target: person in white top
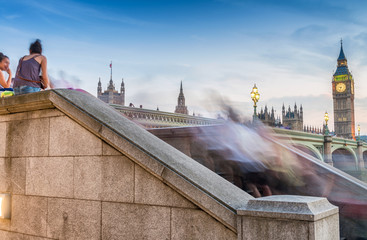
4 66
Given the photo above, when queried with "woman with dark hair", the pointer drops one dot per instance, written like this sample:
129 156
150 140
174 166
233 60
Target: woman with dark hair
4 66
27 78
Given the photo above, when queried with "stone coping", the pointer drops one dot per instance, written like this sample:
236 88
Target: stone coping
210 192
289 207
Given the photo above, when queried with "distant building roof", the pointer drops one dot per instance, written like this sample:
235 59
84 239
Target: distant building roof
342 70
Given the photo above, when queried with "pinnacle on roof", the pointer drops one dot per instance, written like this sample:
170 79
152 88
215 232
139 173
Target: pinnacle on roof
181 95
341 54
111 85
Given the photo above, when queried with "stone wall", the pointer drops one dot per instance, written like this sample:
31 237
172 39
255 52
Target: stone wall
66 183
77 169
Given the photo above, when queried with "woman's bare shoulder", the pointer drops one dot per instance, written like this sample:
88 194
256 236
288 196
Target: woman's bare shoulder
41 59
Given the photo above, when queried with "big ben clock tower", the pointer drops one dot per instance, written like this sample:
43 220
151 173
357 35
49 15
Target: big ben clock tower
343 96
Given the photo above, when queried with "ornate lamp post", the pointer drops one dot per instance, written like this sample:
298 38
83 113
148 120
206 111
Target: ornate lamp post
326 118
359 132
255 96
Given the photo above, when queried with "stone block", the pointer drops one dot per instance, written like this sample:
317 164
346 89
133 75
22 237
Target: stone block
11 235
88 178
130 221
289 217
73 219
109 151
108 178
68 138
151 190
69 109
204 201
29 237
14 117
45 113
326 228
12 175
196 224
118 179
3 142
29 215
260 228
50 176
5 224
131 151
28 138
18 175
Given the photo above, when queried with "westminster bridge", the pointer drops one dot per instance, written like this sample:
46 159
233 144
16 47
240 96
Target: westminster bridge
345 154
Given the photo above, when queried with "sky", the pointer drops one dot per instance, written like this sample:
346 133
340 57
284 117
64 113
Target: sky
288 48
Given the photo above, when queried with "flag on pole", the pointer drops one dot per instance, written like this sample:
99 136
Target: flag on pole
111 64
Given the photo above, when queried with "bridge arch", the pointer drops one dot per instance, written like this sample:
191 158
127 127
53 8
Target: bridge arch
365 158
344 158
309 149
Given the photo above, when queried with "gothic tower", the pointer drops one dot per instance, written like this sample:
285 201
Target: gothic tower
111 95
181 108
343 98
292 119
122 92
99 89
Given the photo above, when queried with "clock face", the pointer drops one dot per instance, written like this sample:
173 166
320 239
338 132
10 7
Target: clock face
340 87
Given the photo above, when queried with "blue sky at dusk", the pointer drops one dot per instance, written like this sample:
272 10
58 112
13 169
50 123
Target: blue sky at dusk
288 48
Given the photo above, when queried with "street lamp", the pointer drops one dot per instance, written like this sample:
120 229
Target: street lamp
255 96
326 118
359 132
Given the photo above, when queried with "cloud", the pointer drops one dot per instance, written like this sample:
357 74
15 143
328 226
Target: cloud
310 31
84 13
12 17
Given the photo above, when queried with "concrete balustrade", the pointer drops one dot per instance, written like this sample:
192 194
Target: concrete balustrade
288 217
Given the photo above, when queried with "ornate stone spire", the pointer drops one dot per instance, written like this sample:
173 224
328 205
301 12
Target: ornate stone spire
99 88
122 89
181 107
111 86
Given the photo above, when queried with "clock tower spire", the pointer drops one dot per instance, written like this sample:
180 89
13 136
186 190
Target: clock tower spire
343 98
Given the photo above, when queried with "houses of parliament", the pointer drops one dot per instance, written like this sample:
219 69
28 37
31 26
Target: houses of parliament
148 118
291 118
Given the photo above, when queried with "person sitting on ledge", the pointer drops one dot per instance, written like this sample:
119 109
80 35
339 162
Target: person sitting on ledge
27 78
4 66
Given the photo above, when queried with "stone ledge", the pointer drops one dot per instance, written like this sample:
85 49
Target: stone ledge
27 102
289 207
